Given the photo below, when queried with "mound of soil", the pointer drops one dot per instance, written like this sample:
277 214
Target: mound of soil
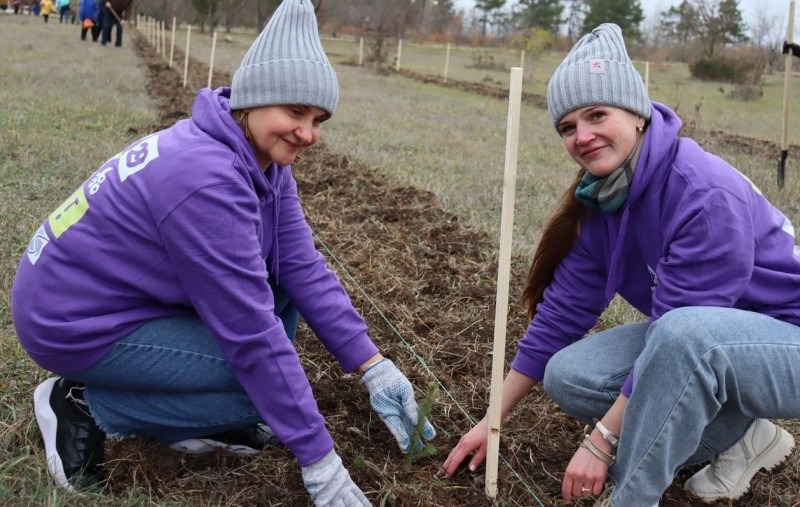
426 285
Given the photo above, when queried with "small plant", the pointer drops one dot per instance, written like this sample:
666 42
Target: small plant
359 462
423 413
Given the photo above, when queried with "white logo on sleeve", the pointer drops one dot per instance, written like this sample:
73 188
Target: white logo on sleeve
37 244
136 158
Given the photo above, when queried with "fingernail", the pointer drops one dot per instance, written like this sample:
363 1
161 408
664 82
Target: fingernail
472 468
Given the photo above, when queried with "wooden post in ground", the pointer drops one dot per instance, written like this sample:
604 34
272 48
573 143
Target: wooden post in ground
361 51
787 89
647 76
503 279
399 54
446 62
211 60
522 59
186 58
172 44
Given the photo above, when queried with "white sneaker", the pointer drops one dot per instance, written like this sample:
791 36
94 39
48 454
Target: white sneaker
728 476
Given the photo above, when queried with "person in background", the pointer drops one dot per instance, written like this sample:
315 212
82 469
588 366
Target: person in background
17 5
113 14
48 8
692 244
35 7
165 292
63 11
89 15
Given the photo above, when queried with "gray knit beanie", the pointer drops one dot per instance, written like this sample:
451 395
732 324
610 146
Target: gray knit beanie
286 64
597 71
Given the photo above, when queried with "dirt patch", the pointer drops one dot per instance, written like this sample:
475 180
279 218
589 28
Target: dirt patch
425 284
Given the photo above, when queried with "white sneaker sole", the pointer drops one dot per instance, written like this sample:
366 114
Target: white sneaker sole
205 446
48 425
777 451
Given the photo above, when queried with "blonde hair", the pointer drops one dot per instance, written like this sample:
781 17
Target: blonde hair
241 117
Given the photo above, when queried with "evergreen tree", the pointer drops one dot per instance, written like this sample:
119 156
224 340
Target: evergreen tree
679 24
625 13
541 14
488 7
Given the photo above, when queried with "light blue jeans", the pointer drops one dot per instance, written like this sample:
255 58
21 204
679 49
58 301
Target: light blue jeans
168 380
702 376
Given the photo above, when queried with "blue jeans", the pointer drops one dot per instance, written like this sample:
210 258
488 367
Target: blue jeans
702 376
168 380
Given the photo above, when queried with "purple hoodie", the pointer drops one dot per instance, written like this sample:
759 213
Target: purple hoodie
693 232
181 221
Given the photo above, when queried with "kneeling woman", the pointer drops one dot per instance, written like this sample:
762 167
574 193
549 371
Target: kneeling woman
691 243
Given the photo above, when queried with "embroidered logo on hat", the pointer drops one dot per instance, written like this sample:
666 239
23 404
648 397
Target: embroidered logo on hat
597 67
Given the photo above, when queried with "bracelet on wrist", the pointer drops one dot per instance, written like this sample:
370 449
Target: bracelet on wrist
598 453
608 436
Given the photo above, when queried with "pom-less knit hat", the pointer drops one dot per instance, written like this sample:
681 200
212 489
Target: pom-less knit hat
597 71
286 64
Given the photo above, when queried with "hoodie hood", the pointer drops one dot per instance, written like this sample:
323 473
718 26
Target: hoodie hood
660 144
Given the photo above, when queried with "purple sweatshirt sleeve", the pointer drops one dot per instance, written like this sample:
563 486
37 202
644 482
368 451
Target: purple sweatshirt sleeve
571 305
315 289
212 241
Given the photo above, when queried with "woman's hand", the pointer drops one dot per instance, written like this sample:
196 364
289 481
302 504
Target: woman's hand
476 440
586 473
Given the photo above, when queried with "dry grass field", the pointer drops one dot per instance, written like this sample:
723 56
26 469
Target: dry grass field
404 197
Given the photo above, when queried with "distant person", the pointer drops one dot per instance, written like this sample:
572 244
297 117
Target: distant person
48 8
113 14
165 292
17 5
89 15
63 11
692 244
35 7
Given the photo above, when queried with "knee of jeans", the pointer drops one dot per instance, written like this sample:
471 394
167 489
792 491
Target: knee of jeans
680 332
558 379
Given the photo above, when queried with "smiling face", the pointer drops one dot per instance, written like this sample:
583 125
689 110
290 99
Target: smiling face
280 133
600 138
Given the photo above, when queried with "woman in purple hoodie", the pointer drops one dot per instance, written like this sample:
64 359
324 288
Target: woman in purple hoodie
693 245
165 291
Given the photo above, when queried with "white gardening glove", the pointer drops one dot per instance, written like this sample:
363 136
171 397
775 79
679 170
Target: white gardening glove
392 397
329 484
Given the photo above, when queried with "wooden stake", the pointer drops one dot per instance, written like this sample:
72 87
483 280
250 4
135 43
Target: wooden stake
361 51
446 62
399 54
647 76
503 278
186 59
787 88
211 61
172 44
522 59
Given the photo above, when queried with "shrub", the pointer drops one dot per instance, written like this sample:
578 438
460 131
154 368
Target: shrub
739 67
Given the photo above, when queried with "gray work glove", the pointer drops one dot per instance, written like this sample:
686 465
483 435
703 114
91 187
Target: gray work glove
330 485
392 397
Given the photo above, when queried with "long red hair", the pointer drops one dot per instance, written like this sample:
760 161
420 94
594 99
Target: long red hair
559 235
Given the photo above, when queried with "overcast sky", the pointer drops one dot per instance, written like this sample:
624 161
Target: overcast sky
749 8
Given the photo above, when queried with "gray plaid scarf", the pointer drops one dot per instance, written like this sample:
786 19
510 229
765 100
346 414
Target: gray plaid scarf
609 193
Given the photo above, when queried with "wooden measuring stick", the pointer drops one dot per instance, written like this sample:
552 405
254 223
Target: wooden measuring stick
503 278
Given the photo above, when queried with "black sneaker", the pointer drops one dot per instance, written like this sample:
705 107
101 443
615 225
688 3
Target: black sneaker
242 442
72 441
